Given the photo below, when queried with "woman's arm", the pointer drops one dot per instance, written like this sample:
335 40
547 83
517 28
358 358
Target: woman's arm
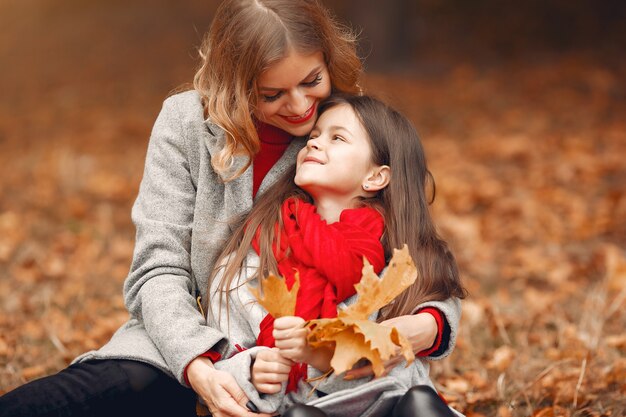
158 290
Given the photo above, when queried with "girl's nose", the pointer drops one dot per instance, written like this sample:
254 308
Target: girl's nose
313 143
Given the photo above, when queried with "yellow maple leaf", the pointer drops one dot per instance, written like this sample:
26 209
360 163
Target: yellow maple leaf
379 338
375 293
359 339
275 297
350 347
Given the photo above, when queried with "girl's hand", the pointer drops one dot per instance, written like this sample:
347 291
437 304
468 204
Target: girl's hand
269 371
290 336
218 389
421 330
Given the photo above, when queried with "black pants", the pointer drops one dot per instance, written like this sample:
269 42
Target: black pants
111 388
419 401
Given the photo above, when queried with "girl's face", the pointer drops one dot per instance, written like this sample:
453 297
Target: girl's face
290 90
337 159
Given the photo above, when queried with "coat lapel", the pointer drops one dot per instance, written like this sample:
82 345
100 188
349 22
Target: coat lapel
238 192
284 163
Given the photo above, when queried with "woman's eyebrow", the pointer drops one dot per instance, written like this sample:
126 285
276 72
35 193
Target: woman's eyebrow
313 72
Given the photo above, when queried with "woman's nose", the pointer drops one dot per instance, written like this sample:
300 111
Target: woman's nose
298 103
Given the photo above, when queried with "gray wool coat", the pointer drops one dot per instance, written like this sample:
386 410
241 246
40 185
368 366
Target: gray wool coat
182 216
240 320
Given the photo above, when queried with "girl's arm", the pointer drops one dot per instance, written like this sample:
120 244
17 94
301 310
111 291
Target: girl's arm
421 329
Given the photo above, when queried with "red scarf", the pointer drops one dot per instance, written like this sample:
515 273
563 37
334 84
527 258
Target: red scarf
329 259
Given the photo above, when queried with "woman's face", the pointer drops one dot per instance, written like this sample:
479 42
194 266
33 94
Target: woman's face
290 90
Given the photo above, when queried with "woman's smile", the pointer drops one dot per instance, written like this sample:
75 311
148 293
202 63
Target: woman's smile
303 117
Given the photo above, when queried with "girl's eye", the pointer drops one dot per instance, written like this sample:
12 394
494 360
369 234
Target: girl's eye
269 99
338 138
316 81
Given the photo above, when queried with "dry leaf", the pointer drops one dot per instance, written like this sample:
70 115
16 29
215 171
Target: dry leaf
375 293
350 347
379 336
357 338
501 358
276 298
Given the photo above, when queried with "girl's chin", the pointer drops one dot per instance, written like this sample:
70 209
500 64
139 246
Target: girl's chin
304 184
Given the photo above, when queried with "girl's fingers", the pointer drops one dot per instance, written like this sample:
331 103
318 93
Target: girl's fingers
273 365
277 364
288 322
272 355
270 378
290 336
266 388
361 372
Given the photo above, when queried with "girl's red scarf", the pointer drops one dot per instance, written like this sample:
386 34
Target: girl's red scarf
328 258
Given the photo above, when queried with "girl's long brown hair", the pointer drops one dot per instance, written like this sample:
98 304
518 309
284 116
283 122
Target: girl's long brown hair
404 204
245 39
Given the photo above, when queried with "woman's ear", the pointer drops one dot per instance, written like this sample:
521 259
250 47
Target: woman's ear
377 179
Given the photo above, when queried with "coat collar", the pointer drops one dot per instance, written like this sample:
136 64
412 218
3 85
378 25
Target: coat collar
238 192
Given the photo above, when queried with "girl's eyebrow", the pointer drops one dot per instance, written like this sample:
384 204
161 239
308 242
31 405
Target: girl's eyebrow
336 128
313 72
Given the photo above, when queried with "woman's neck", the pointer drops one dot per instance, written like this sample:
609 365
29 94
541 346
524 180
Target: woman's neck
272 134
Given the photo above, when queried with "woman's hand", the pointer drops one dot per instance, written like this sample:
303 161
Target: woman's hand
420 329
290 338
269 371
218 389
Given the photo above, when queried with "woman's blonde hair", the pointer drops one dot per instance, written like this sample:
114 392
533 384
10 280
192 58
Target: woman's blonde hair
245 39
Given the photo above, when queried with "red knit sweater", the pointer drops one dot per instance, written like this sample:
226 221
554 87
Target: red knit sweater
274 142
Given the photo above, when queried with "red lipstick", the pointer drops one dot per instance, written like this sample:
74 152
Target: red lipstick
303 118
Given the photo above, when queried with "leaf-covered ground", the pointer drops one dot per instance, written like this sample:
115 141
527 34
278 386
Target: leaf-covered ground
528 155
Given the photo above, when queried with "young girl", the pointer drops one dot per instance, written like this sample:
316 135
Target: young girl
359 189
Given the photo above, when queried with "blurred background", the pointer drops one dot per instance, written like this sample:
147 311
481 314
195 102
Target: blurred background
521 106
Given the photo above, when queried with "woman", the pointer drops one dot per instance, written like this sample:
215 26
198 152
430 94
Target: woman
266 65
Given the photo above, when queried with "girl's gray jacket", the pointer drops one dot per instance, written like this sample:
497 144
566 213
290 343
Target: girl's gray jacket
237 313
183 215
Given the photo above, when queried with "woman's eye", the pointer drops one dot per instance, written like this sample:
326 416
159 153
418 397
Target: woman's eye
269 99
314 82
